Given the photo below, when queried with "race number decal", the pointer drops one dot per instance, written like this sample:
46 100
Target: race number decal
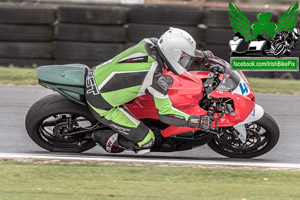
244 88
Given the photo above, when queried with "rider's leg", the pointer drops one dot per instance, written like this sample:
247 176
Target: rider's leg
136 134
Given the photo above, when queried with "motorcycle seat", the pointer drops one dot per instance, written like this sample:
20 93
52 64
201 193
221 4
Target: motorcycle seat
68 75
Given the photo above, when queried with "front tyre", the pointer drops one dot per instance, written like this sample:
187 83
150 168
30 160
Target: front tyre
262 136
50 121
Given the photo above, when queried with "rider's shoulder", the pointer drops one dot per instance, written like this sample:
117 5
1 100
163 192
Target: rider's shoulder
152 41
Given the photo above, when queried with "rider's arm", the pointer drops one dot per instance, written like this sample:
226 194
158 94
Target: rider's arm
166 112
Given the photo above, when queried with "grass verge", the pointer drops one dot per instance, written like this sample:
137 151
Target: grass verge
27 76
18 76
91 181
275 86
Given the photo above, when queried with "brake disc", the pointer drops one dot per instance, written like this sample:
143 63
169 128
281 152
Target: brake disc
60 130
253 141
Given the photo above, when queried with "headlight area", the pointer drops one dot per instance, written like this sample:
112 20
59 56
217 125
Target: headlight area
225 105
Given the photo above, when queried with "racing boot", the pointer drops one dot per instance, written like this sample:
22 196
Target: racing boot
124 142
108 140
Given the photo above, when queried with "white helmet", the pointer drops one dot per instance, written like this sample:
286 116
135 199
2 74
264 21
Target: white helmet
177 48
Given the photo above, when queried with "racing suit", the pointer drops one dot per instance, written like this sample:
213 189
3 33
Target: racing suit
134 72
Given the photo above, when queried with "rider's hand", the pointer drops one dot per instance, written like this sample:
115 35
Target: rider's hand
203 121
202 56
216 68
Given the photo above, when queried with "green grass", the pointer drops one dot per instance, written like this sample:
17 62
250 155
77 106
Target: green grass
18 76
275 86
27 76
57 181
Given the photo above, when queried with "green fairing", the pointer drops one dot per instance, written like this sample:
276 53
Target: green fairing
164 107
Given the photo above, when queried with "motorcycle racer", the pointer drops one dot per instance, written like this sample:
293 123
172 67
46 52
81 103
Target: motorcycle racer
290 39
135 72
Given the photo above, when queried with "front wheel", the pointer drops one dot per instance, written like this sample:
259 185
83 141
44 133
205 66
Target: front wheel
262 136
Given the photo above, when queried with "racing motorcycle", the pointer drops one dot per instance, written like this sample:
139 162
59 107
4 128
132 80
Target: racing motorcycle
62 122
282 45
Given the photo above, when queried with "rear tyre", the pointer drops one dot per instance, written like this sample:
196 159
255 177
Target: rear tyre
46 124
262 136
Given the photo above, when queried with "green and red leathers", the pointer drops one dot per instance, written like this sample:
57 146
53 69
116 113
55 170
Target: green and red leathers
134 72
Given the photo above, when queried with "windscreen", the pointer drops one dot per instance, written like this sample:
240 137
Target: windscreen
229 82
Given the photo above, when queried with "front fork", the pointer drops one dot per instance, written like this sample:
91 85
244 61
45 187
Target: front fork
255 115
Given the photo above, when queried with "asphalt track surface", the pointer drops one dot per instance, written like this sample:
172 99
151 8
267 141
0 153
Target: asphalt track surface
16 100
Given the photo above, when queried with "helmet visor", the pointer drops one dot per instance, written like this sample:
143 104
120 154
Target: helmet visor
185 60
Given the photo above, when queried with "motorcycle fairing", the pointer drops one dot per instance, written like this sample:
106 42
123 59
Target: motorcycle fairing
185 94
68 80
255 115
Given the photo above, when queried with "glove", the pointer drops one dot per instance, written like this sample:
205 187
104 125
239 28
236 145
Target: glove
203 121
209 60
217 69
208 54
201 56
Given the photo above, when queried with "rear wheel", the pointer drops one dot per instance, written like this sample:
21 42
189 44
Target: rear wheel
262 136
50 121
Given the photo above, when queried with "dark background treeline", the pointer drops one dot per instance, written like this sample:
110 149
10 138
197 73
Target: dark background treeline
91 34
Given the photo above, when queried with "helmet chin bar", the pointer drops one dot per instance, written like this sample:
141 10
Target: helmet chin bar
166 63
